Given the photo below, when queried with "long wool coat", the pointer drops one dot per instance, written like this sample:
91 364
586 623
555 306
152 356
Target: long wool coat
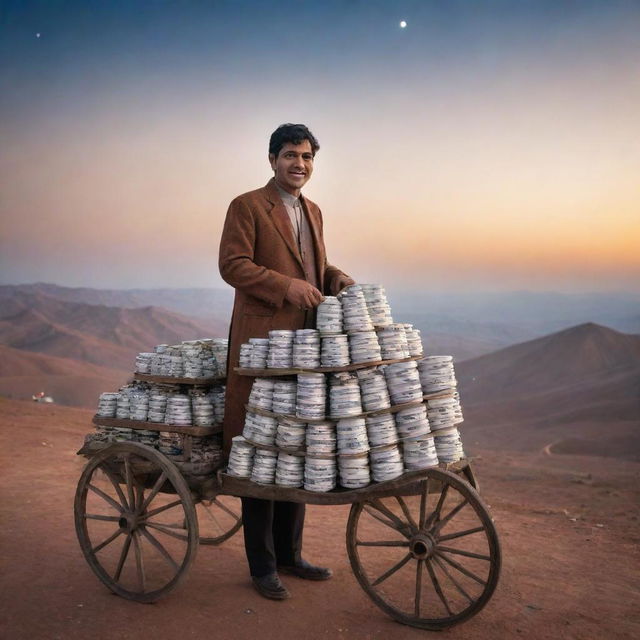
259 256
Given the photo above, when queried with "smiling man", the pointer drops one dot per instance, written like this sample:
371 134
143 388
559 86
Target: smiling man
272 252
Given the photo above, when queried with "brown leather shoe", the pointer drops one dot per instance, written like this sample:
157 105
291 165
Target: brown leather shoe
269 586
307 571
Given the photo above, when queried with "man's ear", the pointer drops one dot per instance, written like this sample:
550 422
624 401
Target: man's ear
272 161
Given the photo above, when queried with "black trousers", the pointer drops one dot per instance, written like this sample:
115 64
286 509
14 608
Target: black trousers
272 534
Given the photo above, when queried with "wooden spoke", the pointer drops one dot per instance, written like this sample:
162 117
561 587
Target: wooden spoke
437 587
123 556
137 547
379 518
109 540
154 491
95 516
165 507
226 509
460 534
163 552
456 584
407 513
129 480
170 530
400 526
116 485
391 571
383 543
139 497
441 523
460 568
435 516
468 554
106 497
424 496
418 586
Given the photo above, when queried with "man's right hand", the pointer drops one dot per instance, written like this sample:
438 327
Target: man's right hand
303 295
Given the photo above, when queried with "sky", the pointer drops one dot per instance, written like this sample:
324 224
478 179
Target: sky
487 146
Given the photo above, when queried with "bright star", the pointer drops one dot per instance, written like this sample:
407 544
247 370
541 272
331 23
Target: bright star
403 24
37 35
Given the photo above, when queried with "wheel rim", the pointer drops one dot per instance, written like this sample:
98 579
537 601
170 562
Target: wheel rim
135 521
430 559
218 519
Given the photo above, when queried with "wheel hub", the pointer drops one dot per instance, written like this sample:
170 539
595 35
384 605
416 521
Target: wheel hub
128 522
421 546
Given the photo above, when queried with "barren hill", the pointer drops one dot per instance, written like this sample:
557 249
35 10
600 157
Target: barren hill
70 382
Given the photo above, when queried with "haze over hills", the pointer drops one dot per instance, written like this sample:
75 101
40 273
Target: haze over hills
576 391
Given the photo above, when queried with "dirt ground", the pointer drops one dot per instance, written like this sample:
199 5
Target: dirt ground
568 528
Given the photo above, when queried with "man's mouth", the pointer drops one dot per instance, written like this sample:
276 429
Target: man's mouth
297 173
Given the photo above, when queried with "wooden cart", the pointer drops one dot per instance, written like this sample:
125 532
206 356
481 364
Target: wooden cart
422 546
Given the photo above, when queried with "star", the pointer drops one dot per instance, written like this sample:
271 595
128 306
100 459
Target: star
37 35
403 24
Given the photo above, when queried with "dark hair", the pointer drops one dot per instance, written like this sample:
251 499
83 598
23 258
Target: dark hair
293 133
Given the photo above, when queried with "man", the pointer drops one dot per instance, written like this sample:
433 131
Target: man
272 252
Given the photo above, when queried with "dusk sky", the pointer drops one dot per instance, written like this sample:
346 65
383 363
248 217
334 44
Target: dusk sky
486 146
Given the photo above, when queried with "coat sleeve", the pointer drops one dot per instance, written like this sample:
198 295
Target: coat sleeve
236 259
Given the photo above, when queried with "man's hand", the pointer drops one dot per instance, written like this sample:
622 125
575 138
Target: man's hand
344 282
303 295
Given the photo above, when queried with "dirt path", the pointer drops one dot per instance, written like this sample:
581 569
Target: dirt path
570 545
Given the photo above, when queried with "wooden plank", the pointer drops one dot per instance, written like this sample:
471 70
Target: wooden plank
260 373
156 426
199 382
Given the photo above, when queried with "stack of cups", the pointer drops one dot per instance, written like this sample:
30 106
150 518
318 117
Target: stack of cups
175 367
444 412
419 453
178 410
157 367
335 351
311 398
437 374
393 342
261 396
107 405
386 463
354 471
319 473
220 350
143 362
203 414
280 349
192 358
122 434
259 352
244 361
377 304
364 347
403 382
289 470
329 316
306 349
321 439
381 430
138 404
123 405
260 429
284 397
413 340
170 443
150 438
352 436
264 466
355 316
344 395
412 422
218 404
157 406
449 447
290 434
206 450
373 389
240 458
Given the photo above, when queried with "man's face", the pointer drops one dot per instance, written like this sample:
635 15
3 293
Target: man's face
293 166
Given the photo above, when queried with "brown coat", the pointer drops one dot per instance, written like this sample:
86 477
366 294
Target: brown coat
259 257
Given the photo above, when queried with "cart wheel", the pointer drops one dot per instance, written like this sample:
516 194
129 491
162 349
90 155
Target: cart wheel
431 559
135 521
218 518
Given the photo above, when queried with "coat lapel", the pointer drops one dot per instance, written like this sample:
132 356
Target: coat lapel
314 224
281 219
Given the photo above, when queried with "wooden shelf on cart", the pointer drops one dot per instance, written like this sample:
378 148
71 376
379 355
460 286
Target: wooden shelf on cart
156 426
245 488
197 382
294 371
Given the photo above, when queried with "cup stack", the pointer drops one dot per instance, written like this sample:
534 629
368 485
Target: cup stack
123 404
290 434
280 349
138 404
373 389
354 471
444 412
449 447
381 430
107 405
377 304
174 366
206 450
412 422
284 397
192 358
145 436
264 466
419 453
321 439
414 341
261 395
220 350
335 351
403 382
386 463
393 342
202 408
329 316
259 352
170 443
355 316
306 349
289 470
319 473
143 362
246 351
364 347
240 458
312 396
344 395
352 436
260 429
157 405
178 410
437 374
